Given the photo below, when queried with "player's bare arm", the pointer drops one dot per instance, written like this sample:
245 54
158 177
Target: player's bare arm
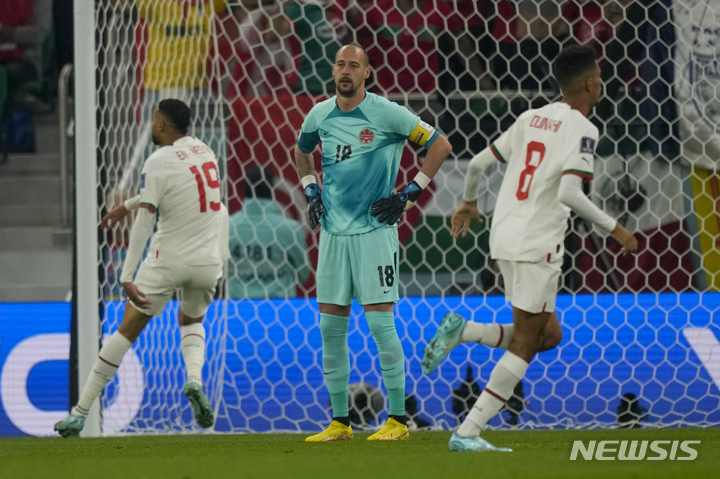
304 163
436 155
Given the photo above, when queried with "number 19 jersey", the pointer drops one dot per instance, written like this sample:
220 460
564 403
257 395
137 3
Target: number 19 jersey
529 222
181 183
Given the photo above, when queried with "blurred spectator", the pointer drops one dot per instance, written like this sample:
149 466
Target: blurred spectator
401 38
467 64
265 52
173 46
529 36
25 25
269 251
613 29
321 28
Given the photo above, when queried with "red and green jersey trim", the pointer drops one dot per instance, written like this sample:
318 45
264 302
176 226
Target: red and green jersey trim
585 175
149 206
497 154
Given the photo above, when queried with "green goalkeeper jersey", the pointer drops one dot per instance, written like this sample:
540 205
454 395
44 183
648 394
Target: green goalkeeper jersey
361 152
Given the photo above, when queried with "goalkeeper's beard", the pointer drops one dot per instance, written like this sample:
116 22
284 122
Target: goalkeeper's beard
346 93
155 139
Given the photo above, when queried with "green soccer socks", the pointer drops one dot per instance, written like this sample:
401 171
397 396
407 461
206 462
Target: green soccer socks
392 359
336 360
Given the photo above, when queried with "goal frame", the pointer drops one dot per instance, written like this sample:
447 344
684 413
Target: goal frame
86 220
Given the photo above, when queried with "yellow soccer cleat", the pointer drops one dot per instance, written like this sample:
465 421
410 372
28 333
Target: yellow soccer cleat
336 431
391 431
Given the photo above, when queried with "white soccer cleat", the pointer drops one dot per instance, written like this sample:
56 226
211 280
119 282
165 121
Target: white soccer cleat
473 444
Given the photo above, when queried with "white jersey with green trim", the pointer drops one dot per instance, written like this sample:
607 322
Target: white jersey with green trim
529 222
181 182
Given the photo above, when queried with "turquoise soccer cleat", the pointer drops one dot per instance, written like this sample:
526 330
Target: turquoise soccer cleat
70 426
203 412
446 338
474 444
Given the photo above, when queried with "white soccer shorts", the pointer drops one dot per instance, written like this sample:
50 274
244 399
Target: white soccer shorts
159 280
531 287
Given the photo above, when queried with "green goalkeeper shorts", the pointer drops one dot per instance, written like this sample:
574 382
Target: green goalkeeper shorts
360 266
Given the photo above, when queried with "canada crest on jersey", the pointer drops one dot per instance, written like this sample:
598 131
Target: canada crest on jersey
366 136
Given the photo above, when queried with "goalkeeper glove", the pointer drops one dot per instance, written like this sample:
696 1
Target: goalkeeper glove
389 210
316 208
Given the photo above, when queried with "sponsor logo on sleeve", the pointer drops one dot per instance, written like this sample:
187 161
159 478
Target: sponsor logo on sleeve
587 145
421 133
142 181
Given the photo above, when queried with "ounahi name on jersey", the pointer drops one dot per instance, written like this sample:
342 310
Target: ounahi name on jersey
529 221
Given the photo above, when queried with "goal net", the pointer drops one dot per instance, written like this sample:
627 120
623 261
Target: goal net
640 332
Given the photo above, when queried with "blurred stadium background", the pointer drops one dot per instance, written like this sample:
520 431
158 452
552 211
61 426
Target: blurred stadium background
641 333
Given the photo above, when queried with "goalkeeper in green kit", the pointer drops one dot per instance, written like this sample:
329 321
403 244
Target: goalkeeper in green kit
362 136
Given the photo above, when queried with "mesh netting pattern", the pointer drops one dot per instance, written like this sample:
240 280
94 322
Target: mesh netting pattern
251 70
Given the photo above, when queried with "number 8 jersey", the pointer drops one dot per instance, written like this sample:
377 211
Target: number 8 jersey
181 183
529 222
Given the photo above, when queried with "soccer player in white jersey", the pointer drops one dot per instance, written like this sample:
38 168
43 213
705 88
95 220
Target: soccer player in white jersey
549 153
180 180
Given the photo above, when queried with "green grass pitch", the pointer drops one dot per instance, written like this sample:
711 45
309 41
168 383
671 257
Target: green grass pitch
537 454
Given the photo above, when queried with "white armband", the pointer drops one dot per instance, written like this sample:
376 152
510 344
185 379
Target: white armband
422 180
308 180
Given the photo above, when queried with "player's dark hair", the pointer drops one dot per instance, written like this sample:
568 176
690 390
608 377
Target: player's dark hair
258 182
177 113
572 63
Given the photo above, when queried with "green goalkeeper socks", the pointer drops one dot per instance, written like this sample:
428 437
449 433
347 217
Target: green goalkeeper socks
392 359
336 360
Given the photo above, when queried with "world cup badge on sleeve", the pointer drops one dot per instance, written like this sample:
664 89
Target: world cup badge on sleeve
587 145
